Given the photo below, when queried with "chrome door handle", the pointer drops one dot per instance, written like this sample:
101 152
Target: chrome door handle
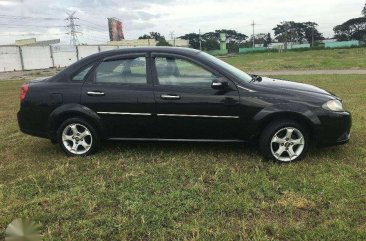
170 97
95 93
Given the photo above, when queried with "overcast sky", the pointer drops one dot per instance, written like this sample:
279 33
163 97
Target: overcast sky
45 19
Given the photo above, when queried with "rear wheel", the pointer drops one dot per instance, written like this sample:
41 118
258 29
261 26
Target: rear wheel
77 137
284 141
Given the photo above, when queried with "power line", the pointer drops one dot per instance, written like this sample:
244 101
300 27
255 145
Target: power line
29 25
96 25
24 17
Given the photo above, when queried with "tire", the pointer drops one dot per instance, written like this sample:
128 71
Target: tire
284 141
77 137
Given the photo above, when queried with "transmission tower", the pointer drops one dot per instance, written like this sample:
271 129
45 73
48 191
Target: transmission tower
72 28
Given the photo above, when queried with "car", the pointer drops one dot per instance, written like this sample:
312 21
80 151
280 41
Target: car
178 94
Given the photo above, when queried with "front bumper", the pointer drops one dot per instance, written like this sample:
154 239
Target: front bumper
335 128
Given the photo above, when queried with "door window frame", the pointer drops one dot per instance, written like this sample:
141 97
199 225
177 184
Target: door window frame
191 60
92 74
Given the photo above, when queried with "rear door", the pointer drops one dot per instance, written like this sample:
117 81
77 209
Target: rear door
186 104
120 90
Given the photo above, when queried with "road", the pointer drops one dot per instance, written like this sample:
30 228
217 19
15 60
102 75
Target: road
309 72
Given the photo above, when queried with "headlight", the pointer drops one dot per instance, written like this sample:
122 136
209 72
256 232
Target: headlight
333 105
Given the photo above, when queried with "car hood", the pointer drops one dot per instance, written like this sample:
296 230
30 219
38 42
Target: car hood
290 85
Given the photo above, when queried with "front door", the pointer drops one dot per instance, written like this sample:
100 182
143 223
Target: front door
187 106
121 93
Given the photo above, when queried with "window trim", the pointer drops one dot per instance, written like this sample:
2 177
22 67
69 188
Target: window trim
86 77
92 78
198 63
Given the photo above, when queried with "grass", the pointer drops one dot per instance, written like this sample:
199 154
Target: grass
175 191
353 58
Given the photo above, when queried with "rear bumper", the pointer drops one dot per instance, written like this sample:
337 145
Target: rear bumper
335 128
27 129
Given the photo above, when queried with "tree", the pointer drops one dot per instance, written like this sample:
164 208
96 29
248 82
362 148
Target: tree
364 11
211 40
145 36
157 36
193 39
312 34
234 39
268 40
297 32
353 29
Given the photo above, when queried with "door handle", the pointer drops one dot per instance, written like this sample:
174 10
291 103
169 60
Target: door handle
170 97
95 93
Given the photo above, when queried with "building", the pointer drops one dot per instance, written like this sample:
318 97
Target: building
179 42
34 42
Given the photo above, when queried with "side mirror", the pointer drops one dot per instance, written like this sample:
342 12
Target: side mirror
220 84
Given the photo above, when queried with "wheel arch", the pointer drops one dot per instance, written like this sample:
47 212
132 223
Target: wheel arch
300 114
68 111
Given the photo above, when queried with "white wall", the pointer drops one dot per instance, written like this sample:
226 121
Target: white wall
10 58
37 57
64 55
85 50
107 48
41 57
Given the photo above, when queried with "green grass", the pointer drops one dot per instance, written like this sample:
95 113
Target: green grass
353 58
155 191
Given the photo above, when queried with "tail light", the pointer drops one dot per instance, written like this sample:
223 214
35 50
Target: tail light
24 91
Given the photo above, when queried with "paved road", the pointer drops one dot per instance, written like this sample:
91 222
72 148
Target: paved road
310 72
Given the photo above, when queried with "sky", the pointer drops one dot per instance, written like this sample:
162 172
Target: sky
46 19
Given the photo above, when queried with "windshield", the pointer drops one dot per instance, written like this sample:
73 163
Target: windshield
235 71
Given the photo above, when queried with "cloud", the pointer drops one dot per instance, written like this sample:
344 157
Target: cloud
181 16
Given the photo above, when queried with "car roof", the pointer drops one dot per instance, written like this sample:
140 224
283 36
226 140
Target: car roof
155 49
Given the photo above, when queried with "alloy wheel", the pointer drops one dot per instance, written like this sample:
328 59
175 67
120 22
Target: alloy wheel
287 144
77 138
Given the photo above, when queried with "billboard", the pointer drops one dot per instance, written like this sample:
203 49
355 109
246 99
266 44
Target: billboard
115 29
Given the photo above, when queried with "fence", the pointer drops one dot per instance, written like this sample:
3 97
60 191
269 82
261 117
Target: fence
42 57
342 44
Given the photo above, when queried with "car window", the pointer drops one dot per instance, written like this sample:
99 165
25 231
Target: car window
181 72
81 75
122 71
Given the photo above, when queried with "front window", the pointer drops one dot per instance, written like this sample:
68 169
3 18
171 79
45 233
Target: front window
180 72
235 71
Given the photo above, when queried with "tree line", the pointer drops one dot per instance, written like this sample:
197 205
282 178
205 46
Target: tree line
286 32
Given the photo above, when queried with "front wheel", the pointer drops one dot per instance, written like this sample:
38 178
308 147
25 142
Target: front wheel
284 141
77 137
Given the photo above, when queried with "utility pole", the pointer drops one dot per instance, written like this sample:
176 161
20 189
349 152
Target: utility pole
72 28
253 25
172 37
312 37
199 36
286 25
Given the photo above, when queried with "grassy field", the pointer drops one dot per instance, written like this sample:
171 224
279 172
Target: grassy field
175 191
315 59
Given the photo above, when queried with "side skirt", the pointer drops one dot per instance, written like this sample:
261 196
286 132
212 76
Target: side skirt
173 140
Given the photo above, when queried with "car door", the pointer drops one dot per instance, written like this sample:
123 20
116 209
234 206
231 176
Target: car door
186 104
120 91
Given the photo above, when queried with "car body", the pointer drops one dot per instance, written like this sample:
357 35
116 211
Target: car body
176 94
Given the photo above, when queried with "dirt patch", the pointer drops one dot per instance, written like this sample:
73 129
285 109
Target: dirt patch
28 74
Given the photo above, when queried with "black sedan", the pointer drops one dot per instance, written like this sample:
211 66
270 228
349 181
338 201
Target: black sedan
178 94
